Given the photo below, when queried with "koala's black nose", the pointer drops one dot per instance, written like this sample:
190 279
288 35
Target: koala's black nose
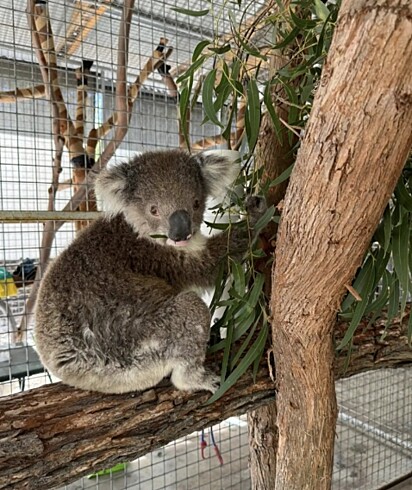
180 226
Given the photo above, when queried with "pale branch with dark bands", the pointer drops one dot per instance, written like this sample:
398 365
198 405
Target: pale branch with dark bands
55 434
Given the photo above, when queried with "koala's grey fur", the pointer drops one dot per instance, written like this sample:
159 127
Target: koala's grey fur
115 311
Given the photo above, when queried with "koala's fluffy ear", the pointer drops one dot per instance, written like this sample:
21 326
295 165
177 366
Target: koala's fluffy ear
218 173
109 186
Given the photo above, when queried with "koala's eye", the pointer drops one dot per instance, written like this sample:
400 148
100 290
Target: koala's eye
196 204
154 211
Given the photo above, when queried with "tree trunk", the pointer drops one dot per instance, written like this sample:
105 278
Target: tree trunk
55 434
262 429
356 143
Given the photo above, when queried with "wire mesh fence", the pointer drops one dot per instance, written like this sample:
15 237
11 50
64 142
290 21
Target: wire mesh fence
374 439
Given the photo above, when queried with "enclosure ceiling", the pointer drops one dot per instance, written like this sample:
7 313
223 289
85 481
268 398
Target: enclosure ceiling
152 20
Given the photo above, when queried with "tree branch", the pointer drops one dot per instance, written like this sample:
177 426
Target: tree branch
55 434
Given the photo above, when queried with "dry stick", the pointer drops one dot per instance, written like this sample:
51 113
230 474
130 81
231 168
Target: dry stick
67 128
47 58
82 22
10 96
82 80
43 43
91 17
96 134
48 232
79 172
157 59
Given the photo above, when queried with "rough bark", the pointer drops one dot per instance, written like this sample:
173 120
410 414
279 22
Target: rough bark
55 434
355 145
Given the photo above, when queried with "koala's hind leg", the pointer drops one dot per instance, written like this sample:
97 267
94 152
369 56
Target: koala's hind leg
188 348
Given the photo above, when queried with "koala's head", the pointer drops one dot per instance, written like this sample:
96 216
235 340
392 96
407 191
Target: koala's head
164 192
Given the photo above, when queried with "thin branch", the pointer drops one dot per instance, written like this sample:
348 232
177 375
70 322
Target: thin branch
11 96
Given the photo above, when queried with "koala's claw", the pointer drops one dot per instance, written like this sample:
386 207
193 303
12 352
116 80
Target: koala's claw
211 382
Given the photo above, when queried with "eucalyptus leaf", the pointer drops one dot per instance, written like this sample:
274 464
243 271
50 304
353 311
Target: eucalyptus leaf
282 177
265 219
400 252
302 23
360 308
221 50
252 115
239 281
288 38
321 10
393 305
243 365
387 228
359 283
192 13
267 100
403 195
227 351
192 69
198 50
207 97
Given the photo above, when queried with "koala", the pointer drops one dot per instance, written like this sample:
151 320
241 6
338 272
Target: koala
117 310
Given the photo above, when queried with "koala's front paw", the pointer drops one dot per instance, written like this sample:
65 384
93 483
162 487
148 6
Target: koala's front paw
256 207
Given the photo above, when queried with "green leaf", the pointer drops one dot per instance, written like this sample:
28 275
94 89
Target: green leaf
242 367
207 97
264 220
220 284
359 283
410 329
288 38
239 281
293 98
302 23
382 299
242 41
267 99
255 291
387 228
400 253
252 114
393 306
360 308
242 326
245 343
403 195
191 70
283 176
198 50
217 226
221 49
321 10
192 13
184 102
227 351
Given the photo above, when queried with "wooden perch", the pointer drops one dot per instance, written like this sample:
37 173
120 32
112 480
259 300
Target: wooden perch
55 434
83 20
11 96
